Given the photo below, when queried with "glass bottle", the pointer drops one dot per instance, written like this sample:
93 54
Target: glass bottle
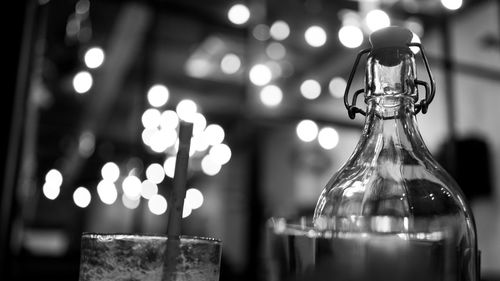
391 212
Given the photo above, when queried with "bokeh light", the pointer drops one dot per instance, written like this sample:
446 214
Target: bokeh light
169 119
94 57
130 203
307 130
220 153
271 95
110 171
238 14
107 192
377 19
279 30
194 198
158 95
54 177
276 51
148 189
186 211
328 138
337 87
162 139
82 197
351 36
132 187
315 36
452 4
214 134
155 173
210 166
310 89
260 75
51 190
147 134
157 204
82 82
199 124
151 118
169 166
261 32
230 64
186 110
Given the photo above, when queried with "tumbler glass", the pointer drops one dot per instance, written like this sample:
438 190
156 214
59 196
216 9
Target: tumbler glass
116 257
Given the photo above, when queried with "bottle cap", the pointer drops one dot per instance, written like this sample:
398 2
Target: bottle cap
392 36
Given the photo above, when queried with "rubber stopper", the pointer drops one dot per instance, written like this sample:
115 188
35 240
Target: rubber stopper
392 36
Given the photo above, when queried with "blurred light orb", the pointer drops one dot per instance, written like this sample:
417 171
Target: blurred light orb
310 89
337 87
194 198
279 30
107 192
260 75
351 36
130 203
82 197
415 25
51 190
110 171
220 153
186 110
261 32
82 82
148 189
276 51
230 63
169 119
54 177
377 19
198 67
210 166
132 187
158 95
328 138
452 4
81 7
238 14
169 166
186 211
199 143
214 134
271 95
157 204
315 36
415 39
199 124
86 144
162 139
155 173
94 57
307 130
147 134
151 118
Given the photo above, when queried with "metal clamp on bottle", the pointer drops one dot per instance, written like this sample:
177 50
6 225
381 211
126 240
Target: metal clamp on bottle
392 37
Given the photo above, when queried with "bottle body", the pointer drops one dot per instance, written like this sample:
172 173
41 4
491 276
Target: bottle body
391 211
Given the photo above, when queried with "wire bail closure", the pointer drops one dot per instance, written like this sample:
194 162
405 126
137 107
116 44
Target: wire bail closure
423 105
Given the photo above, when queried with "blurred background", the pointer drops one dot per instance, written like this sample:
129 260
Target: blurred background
94 91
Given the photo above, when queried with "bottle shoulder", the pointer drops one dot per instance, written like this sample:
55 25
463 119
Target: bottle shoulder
414 187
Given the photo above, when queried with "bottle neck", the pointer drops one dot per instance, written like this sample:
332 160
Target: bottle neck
391 132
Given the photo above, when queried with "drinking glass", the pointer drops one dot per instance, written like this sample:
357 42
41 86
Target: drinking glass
116 257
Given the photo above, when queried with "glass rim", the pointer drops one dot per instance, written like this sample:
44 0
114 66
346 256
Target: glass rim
149 235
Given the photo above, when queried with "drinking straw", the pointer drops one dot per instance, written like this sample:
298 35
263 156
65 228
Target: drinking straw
176 202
